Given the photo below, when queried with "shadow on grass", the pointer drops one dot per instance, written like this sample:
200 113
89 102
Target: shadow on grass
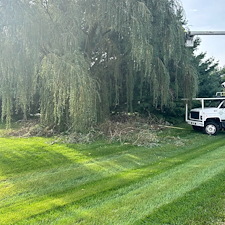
19 158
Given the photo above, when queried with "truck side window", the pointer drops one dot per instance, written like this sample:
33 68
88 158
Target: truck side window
223 105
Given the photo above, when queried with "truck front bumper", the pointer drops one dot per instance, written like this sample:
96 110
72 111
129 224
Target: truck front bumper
195 123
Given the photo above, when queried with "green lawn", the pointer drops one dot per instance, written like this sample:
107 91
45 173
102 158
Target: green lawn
179 181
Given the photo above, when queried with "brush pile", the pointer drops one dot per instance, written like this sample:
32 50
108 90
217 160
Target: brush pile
121 128
125 129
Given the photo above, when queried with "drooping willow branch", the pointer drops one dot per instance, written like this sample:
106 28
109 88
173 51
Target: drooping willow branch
75 60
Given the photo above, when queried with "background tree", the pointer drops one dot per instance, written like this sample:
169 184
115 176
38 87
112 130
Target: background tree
209 77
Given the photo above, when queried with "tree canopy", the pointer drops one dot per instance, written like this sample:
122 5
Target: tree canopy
76 60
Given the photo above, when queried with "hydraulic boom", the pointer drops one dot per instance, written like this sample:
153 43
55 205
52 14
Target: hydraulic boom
190 36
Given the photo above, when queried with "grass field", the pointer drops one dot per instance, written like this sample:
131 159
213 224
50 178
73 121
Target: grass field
179 181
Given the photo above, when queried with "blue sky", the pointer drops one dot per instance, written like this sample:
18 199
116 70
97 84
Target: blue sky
207 15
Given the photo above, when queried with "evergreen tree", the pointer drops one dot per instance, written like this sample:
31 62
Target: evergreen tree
209 80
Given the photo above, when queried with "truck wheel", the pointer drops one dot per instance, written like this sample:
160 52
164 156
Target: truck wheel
211 128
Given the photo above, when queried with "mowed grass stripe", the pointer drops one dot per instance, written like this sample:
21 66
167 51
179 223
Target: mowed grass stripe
65 179
135 158
48 202
203 205
69 177
127 205
30 155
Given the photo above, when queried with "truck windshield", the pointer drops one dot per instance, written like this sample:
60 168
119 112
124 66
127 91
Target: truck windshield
212 103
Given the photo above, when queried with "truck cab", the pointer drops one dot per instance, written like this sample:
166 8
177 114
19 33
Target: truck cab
209 116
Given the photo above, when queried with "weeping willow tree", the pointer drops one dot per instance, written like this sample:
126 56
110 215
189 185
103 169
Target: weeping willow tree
137 47
49 64
75 60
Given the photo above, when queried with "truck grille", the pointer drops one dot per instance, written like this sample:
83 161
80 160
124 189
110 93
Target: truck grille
195 115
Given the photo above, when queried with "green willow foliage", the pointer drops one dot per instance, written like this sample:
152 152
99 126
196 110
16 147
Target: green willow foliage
75 60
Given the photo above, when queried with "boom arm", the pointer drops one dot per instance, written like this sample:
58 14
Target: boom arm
190 36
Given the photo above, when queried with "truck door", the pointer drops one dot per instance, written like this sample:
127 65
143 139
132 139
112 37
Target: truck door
222 111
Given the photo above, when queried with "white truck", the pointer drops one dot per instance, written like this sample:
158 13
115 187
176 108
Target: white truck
209 116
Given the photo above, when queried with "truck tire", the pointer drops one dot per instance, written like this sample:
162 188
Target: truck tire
211 128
